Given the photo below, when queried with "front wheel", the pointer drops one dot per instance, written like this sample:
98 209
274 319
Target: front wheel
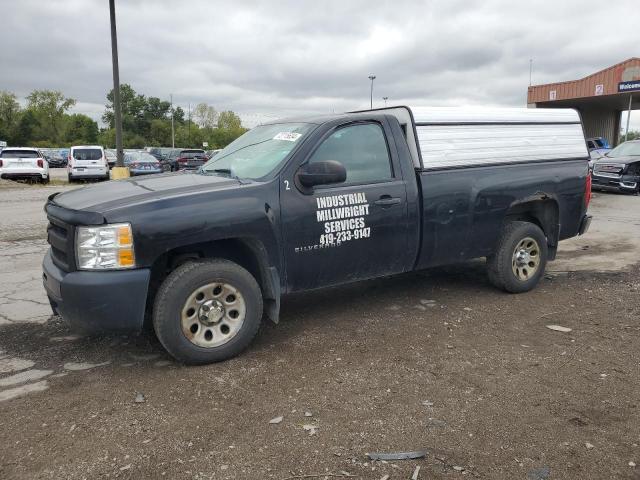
207 311
520 258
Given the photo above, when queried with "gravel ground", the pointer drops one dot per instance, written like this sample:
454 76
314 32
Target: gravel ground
436 361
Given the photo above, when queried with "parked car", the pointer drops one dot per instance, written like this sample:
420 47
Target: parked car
594 156
141 163
111 156
191 159
170 161
598 144
18 163
87 162
58 160
619 170
308 203
156 152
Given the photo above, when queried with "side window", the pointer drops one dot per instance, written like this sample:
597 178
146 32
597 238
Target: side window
362 149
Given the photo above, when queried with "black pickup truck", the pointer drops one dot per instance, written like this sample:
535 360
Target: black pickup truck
307 203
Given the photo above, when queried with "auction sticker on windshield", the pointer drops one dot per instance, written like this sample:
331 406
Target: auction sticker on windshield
288 136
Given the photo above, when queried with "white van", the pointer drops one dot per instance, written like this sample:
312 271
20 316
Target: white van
87 161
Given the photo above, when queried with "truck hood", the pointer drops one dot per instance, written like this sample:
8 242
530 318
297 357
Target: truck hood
622 160
106 196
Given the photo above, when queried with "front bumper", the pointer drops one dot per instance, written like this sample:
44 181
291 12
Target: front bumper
614 183
97 301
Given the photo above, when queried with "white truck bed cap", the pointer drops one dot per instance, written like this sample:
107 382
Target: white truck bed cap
464 115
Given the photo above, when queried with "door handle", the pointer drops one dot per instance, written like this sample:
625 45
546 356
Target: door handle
388 201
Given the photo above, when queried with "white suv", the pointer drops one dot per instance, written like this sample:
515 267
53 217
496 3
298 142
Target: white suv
23 163
87 162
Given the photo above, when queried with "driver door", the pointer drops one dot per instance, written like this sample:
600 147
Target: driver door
353 230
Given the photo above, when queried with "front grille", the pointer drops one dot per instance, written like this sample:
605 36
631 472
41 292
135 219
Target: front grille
608 169
60 236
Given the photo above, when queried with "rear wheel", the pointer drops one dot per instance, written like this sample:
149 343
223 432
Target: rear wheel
45 180
520 258
207 311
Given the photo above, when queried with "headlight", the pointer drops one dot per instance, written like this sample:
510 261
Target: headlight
107 247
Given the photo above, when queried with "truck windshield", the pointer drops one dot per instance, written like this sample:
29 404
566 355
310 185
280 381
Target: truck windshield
258 152
625 149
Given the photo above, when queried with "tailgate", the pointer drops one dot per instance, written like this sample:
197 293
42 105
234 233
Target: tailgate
20 162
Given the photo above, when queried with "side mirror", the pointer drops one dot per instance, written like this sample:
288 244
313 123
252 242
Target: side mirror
321 173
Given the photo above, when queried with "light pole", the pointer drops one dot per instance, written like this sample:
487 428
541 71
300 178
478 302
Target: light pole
385 100
173 132
120 171
626 132
372 78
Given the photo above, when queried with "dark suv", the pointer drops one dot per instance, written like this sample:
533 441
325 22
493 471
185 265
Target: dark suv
619 170
184 159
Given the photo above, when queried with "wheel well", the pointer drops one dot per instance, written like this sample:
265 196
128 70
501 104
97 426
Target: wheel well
543 212
248 253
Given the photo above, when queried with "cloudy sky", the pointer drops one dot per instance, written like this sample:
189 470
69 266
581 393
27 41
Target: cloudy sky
268 59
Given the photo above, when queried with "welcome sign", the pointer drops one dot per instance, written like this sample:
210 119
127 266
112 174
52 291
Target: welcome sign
631 86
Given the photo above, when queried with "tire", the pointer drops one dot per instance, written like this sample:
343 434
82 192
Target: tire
511 270
46 180
178 295
69 178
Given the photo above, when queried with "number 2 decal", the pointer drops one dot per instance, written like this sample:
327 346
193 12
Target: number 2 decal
286 185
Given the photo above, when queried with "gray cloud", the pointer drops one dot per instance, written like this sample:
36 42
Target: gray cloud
279 58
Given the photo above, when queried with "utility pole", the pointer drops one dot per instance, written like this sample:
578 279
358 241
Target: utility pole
173 132
120 171
372 78
385 100
189 127
626 133
530 70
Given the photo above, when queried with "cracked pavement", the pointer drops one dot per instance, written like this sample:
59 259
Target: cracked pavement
23 242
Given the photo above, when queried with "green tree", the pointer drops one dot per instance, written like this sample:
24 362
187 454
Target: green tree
132 106
189 135
107 137
228 120
49 107
160 133
27 124
80 129
178 115
205 115
156 109
9 115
